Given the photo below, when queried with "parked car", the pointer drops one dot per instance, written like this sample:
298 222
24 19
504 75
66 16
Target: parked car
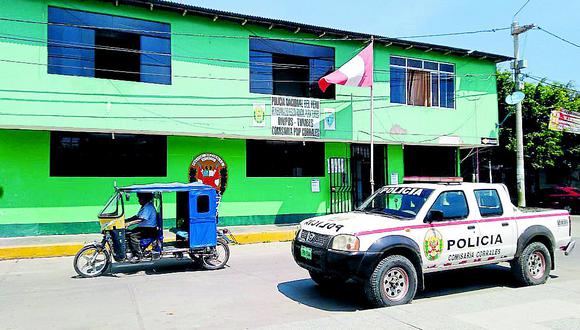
403 232
560 197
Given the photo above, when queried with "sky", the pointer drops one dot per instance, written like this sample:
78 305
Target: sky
547 56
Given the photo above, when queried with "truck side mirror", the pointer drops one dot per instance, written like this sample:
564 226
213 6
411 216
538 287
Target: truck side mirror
434 215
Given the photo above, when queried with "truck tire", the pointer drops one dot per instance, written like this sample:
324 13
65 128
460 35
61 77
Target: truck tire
533 266
324 281
393 282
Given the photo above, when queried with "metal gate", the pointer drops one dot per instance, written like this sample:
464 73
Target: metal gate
340 185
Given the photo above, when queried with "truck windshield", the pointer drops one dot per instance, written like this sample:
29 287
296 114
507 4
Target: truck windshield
400 202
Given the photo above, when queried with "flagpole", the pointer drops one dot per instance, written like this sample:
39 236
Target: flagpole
372 172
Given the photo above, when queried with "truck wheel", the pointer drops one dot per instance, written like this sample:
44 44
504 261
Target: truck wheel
533 266
393 282
322 280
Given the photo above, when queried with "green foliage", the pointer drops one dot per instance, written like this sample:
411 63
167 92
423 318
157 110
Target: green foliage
543 148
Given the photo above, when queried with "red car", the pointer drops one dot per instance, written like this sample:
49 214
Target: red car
560 197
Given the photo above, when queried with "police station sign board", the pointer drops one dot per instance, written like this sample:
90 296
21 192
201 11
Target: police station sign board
295 116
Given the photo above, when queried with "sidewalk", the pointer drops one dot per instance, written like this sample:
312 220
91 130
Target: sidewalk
68 245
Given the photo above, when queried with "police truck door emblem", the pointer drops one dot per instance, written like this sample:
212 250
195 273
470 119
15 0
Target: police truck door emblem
209 169
433 244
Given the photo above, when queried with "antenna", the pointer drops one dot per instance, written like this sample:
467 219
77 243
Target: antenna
515 98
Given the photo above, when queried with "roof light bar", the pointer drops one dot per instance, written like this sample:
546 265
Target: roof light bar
436 179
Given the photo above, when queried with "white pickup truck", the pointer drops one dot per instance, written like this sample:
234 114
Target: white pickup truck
405 231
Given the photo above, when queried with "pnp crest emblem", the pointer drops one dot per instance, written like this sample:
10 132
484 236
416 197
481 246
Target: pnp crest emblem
209 169
433 244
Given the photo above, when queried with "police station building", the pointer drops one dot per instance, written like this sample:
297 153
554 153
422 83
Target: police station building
97 93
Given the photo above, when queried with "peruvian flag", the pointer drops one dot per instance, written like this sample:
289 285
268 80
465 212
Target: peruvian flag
356 72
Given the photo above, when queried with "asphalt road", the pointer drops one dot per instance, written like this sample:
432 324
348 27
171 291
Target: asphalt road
262 287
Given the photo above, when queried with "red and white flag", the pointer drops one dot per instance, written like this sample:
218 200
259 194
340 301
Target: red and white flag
356 72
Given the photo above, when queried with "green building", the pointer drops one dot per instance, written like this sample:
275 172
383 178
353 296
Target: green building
95 94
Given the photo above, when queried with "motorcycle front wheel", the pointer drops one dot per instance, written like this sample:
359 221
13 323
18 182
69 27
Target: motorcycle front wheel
91 261
219 257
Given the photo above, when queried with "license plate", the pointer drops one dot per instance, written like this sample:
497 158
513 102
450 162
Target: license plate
306 252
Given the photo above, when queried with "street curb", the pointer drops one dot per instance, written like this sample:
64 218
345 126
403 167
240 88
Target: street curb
39 251
70 249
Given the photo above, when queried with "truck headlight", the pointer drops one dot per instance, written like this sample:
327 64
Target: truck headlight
345 243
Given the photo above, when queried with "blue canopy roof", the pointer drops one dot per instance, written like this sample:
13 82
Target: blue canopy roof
165 187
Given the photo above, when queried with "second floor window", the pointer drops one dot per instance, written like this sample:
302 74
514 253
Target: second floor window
110 47
422 83
289 68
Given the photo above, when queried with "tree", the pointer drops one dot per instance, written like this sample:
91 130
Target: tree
544 149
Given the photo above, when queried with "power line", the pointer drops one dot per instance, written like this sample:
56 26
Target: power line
558 37
104 102
435 136
140 104
53 115
155 96
150 53
135 51
201 35
386 72
521 8
452 33
553 83
264 99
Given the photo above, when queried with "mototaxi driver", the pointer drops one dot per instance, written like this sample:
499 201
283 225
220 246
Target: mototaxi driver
146 221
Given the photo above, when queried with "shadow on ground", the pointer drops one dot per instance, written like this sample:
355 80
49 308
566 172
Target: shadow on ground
158 267
350 297
346 298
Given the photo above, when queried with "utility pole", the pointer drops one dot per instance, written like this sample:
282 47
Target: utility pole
372 171
477 165
517 65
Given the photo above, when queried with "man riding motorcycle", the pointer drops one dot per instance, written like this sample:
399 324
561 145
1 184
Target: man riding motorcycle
146 221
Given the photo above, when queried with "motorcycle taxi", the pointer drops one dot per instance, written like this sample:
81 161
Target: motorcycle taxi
194 206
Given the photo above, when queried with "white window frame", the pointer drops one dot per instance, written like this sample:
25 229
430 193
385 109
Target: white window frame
422 68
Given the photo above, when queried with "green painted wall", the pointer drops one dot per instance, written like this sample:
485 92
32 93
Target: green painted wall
207 108
31 196
31 98
395 163
474 117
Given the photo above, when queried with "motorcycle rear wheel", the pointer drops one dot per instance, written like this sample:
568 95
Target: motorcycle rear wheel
219 258
91 261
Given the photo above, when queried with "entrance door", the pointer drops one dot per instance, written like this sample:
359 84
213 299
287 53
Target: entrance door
340 185
361 166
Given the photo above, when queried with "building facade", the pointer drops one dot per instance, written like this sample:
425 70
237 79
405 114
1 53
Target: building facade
95 94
